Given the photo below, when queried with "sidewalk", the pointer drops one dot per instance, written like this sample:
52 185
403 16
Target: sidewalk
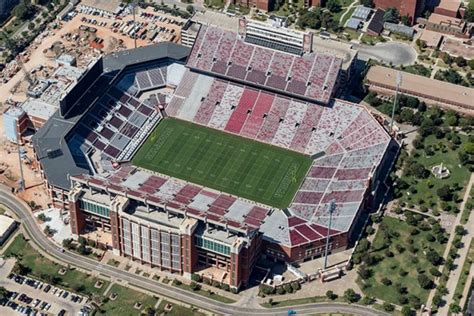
462 253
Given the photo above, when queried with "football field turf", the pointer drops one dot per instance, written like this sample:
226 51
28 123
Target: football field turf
225 162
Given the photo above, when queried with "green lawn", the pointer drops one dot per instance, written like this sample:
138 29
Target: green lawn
216 4
43 268
426 195
299 301
468 208
177 310
347 16
225 162
125 302
463 278
206 293
389 267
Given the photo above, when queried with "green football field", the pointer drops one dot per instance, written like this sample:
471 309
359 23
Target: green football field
225 162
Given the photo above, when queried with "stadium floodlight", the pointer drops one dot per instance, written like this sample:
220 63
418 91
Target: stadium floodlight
331 209
399 82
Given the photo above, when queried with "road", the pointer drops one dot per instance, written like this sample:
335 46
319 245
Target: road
396 53
20 208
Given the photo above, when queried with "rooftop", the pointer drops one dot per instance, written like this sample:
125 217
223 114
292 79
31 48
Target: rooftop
451 5
38 109
436 18
432 88
5 224
106 5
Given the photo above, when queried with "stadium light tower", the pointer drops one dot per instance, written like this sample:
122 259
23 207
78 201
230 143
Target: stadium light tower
399 82
331 209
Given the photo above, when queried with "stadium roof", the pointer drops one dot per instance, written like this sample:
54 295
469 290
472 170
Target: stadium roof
56 155
223 54
119 60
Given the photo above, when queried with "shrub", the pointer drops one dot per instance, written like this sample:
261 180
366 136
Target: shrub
196 277
386 281
435 272
280 290
388 307
424 281
195 286
351 296
331 295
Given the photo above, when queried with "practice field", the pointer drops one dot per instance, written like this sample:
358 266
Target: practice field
225 162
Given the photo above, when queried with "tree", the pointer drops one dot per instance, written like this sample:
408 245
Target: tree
406 311
67 243
20 269
351 296
367 3
31 26
331 295
190 9
445 193
3 293
460 61
406 21
424 281
434 257
388 307
469 14
333 6
391 15
23 10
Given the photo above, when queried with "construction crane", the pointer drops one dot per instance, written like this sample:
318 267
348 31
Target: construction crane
12 47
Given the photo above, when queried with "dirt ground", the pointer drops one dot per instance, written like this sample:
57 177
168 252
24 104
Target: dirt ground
40 54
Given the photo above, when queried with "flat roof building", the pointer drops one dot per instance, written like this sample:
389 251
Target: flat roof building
448 25
7 226
435 92
448 8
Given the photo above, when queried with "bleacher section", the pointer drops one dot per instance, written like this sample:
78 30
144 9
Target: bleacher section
116 125
147 78
223 53
289 123
348 140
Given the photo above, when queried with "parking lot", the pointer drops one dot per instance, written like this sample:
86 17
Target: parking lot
31 297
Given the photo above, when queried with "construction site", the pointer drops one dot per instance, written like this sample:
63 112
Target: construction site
33 83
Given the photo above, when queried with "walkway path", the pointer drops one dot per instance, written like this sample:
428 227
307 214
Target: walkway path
454 276
347 10
20 208
462 253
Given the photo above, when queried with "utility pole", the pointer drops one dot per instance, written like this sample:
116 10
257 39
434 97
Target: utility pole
399 82
331 209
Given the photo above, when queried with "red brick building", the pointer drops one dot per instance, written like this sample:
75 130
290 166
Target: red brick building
410 8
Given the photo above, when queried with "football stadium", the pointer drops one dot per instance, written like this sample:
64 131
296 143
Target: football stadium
205 159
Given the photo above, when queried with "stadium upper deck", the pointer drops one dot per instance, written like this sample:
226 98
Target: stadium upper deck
246 90
222 53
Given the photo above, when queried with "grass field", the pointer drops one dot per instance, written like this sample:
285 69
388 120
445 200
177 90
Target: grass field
43 268
229 163
390 267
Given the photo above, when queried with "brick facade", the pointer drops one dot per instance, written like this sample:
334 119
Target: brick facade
410 8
